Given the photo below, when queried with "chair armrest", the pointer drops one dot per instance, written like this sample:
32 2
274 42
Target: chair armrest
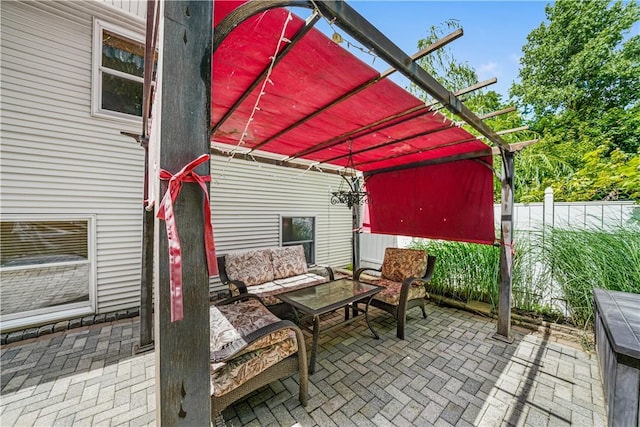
242 287
431 263
356 275
324 269
230 350
404 291
242 297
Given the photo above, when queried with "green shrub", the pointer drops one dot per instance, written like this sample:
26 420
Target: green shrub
555 266
465 271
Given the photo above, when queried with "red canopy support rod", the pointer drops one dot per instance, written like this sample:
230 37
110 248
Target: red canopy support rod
471 155
395 141
385 123
431 48
421 150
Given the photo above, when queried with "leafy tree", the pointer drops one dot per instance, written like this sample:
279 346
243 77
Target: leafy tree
580 75
441 63
578 61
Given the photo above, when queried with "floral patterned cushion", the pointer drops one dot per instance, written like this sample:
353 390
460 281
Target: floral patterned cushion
269 291
252 267
232 322
400 264
229 324
228 376
288 261
391 293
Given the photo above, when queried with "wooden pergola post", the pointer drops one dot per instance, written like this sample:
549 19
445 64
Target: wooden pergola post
506 248
182 347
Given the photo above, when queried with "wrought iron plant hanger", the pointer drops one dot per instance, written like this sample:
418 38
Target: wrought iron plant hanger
353 194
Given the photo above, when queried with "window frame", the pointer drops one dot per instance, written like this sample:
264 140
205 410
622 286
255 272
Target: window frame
314 240
97 70
64 311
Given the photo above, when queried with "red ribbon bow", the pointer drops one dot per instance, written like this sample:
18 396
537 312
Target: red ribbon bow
166 213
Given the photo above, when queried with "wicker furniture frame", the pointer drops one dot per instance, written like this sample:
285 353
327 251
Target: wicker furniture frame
296 363
399 312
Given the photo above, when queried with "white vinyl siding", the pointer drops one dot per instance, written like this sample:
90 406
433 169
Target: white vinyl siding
248 200
56 158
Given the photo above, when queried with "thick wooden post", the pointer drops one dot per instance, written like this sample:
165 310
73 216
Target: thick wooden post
182 347
506 249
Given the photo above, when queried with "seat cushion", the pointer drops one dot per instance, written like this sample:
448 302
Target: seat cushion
400 264
252 267
232 322
229 324
391 292
288 261
269 292
228 376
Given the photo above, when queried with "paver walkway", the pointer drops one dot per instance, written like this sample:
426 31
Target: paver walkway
448 372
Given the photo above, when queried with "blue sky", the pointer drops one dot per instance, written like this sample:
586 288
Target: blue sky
494 31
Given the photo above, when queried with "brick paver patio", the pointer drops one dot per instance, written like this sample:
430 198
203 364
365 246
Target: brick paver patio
448 372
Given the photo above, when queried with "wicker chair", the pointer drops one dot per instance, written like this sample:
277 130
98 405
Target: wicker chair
250 348
404 274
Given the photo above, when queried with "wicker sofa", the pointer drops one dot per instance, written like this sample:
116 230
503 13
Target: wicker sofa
404 273
268 272
250 348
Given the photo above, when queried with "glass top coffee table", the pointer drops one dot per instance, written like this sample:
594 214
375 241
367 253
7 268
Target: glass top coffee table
326 297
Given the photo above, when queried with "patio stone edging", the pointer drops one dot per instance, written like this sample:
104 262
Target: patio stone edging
566 332
64 325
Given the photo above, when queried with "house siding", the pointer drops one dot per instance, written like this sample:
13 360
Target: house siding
248 199
58 159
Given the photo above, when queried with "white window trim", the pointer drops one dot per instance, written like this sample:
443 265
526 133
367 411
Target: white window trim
96 68
51 314
315 231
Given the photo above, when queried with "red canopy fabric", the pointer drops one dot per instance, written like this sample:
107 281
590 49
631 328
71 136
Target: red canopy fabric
379 127
433 202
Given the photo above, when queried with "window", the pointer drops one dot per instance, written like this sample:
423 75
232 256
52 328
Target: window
299 230
46 269
118 72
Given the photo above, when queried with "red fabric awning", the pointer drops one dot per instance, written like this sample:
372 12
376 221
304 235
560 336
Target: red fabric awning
432 202
379 127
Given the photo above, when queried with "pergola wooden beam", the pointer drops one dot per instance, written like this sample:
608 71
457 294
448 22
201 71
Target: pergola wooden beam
182 354
497 113
276 162
468 89
515 147
513 130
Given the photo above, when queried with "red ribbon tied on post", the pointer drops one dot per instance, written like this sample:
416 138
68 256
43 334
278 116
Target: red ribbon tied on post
167 213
